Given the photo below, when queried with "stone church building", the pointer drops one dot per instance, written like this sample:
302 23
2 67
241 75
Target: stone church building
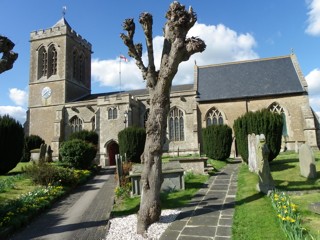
60 99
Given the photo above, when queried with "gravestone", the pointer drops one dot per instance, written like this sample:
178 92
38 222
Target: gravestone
43 151
266 183
252 149
307 162
172 174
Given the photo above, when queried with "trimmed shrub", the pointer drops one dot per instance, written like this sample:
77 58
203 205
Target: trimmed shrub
77 153
260 122
11 143
30 142
217 141
131 143
87 136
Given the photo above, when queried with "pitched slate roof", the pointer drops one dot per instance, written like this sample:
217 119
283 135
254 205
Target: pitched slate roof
263 77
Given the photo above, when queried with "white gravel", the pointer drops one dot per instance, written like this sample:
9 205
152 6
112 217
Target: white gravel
124 228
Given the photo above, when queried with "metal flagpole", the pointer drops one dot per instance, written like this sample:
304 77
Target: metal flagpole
120 73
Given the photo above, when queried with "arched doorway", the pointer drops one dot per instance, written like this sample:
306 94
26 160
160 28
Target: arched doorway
112 151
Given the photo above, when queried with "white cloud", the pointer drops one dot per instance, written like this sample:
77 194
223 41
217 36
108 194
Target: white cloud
19 97
223 45
313 80
314 18
16 112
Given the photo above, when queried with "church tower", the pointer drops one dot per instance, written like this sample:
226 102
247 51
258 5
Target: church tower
60 72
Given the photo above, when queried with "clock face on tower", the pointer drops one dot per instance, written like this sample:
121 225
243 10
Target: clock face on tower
46 92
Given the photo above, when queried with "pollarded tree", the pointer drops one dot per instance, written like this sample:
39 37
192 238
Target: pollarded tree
8 56
176 49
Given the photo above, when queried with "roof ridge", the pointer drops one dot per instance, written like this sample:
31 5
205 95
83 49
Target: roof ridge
245 61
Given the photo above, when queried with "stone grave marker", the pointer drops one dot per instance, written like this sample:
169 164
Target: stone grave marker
252 149
315 207
266 183
307 162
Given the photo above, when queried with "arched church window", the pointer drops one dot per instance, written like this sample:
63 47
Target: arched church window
176 125
275 107
75 124
214 117
42 62
145 117
112 113
52 61
75 61
81 68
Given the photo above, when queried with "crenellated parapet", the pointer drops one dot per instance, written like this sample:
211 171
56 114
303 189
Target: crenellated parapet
61 28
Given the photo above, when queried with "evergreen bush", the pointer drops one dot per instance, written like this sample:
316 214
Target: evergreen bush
131 143
77 153
11 143
30 142
85 135
217 141
261 122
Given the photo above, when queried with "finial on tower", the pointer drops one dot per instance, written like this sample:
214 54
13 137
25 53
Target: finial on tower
64 10
292 51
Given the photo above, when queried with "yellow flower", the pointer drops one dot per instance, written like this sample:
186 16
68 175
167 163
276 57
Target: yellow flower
279 216
283 218
292 220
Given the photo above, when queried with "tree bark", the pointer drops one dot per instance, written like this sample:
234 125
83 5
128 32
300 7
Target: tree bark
176 48
8 56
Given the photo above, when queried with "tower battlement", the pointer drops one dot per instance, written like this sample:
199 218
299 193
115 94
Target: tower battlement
58 30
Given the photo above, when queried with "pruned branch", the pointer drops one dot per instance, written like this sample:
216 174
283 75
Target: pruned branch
146 22
134 50
8 56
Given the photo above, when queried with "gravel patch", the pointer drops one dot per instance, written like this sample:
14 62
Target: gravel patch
124 228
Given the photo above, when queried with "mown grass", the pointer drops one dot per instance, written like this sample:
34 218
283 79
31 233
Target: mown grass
254 216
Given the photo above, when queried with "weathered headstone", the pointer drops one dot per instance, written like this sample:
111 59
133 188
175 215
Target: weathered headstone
266 183
307 162
43 151
49 154
252 149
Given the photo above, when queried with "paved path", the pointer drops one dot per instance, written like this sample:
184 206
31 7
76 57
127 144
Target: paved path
83 215
209 214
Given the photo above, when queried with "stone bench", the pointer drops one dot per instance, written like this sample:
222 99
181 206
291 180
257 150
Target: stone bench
196 165
172 173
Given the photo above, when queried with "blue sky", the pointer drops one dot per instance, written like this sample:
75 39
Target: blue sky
232 29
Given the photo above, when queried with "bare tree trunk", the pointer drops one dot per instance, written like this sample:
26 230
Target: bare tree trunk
8 56
176 48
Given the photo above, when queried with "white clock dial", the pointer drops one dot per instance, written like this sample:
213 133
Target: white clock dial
46 92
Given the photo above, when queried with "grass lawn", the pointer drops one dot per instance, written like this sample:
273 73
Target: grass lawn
254 216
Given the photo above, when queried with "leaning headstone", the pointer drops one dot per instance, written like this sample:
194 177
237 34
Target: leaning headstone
49 154
43 151
266 183
307 162
252 158
315 207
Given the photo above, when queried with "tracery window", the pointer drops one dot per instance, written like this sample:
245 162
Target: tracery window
176 125
42 62
52 61
75 124
275 107
112 113
81 68
75 60
214 117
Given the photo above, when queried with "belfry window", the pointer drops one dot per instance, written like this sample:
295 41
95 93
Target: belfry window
214 117
52 61
42 62
275 107
75 64
176 125
112 113
75 124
